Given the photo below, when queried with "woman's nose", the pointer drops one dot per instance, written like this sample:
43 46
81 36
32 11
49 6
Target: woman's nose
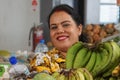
60 30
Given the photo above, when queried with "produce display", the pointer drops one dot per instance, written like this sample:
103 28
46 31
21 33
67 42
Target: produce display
98 58
95 33
73 74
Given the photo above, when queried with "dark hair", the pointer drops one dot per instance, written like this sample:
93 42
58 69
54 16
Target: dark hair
69 10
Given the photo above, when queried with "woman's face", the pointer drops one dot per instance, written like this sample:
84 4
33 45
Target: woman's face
63 30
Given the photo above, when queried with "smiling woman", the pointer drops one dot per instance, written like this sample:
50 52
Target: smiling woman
65 27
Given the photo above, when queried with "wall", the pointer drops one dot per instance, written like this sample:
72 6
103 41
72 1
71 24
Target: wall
44 12
16 19
92 11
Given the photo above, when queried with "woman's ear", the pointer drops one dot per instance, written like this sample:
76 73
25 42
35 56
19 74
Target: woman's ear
80 29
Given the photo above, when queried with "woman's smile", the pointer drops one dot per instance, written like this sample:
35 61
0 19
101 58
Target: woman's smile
62 37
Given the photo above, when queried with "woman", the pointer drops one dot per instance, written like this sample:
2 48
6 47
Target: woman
65 27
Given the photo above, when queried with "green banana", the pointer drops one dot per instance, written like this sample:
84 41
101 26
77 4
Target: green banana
112 56
71 54
97 63
66 78
115 59
60 77
80 57
113 78
87 57
89 66
55 74
106 59
97 78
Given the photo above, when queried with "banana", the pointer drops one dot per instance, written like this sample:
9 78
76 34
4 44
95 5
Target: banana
109 48
109 72
86 73
66 78
72 76
80 57
98 62
113 78
89 66
115 58
55 74
116 49
61 77
106 59
80 75
116 71
71 54
97 78
87 57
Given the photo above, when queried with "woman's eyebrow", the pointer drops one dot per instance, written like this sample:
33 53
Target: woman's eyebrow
65 21
52 24
61 22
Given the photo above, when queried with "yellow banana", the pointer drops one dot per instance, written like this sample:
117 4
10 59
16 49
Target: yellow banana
91 62
116 71
71 54
80 75
80 57
86 73
72 76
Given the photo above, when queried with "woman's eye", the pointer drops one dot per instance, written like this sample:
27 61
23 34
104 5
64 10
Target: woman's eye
66 25
53 27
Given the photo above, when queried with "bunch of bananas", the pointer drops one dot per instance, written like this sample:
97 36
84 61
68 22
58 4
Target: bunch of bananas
47 62
73 74
100 59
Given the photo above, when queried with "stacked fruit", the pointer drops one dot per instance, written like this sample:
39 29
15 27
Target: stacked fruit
95 32
73 74
99 59
47 62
